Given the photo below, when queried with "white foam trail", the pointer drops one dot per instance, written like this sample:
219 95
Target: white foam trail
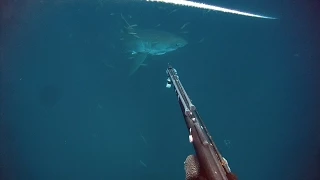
209 7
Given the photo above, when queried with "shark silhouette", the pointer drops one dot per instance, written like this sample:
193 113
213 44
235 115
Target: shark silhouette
143 42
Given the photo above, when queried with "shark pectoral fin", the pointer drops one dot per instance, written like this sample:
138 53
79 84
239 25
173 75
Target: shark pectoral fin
137 62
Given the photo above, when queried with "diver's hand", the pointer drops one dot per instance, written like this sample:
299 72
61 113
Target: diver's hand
192 168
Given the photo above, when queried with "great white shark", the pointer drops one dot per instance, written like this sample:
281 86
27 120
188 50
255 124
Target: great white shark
140 43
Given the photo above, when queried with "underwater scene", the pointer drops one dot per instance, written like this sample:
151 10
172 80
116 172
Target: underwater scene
159 89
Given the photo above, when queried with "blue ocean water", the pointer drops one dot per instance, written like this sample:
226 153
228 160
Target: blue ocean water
69 110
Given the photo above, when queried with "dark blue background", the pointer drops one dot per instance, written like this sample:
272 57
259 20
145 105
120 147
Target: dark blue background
66 115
